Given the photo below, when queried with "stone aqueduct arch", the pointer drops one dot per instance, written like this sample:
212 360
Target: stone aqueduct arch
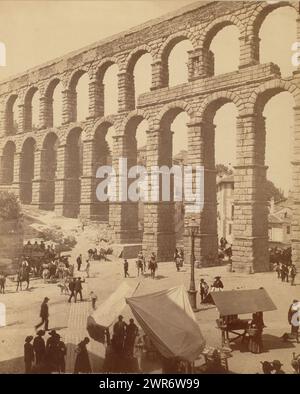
248 88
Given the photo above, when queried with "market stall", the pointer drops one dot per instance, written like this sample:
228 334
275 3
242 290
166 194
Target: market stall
233 303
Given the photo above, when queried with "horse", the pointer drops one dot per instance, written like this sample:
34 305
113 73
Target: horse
23 276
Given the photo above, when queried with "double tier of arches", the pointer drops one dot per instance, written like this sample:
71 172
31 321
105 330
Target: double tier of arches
81 156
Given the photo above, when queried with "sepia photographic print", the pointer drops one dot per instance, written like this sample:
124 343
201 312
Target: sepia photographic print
149 188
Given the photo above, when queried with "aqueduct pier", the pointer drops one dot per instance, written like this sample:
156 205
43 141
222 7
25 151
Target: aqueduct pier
44 166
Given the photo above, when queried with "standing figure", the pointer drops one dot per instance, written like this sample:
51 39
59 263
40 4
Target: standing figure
52 352
153 265
78 288
93 299
87 268
283 272
277 268
131 334
2 283
292 273
119 332
125 266
178 262
82 362
142 258
293 319
28 354
61 353
72 289
139 267
39 348
256 329
44 315
203 289
79 262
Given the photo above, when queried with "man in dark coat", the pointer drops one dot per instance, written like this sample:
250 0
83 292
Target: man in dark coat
82 362
131 333
52 352
78 288
119 332
39 347
44 314
72 289
126 269
79 262
28 354
61 353
204 289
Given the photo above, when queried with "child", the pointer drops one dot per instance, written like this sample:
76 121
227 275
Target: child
93 299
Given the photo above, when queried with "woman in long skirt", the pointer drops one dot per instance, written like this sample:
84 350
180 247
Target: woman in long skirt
82 362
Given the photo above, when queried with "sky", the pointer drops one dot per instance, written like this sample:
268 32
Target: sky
37 31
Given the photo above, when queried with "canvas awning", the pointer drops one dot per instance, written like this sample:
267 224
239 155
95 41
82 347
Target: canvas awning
169 321
107 313
238 302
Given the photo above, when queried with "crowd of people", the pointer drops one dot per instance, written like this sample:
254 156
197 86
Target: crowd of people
141 265
285 272
42 356
49 356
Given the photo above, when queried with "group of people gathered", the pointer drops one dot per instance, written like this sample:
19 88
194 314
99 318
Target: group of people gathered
42 356
49 356
124 336
204 288
141 265
286 272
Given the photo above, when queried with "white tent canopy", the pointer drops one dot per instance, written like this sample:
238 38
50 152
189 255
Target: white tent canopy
169 321
107 313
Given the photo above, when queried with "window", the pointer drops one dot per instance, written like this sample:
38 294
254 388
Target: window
229 229
288 230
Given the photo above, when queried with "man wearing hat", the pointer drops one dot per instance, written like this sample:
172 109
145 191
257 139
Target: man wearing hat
72 289
78 288
218 284
131 333
61 353
119 332
39 347
125 266
203 289
44 314
277 367
28 354
51 352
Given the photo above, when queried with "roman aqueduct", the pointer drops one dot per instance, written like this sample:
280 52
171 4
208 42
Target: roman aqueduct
45 168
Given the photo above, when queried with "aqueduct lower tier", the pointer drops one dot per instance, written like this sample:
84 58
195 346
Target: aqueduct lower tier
55 167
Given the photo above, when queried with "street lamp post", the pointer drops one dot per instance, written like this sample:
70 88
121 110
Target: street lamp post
192 292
